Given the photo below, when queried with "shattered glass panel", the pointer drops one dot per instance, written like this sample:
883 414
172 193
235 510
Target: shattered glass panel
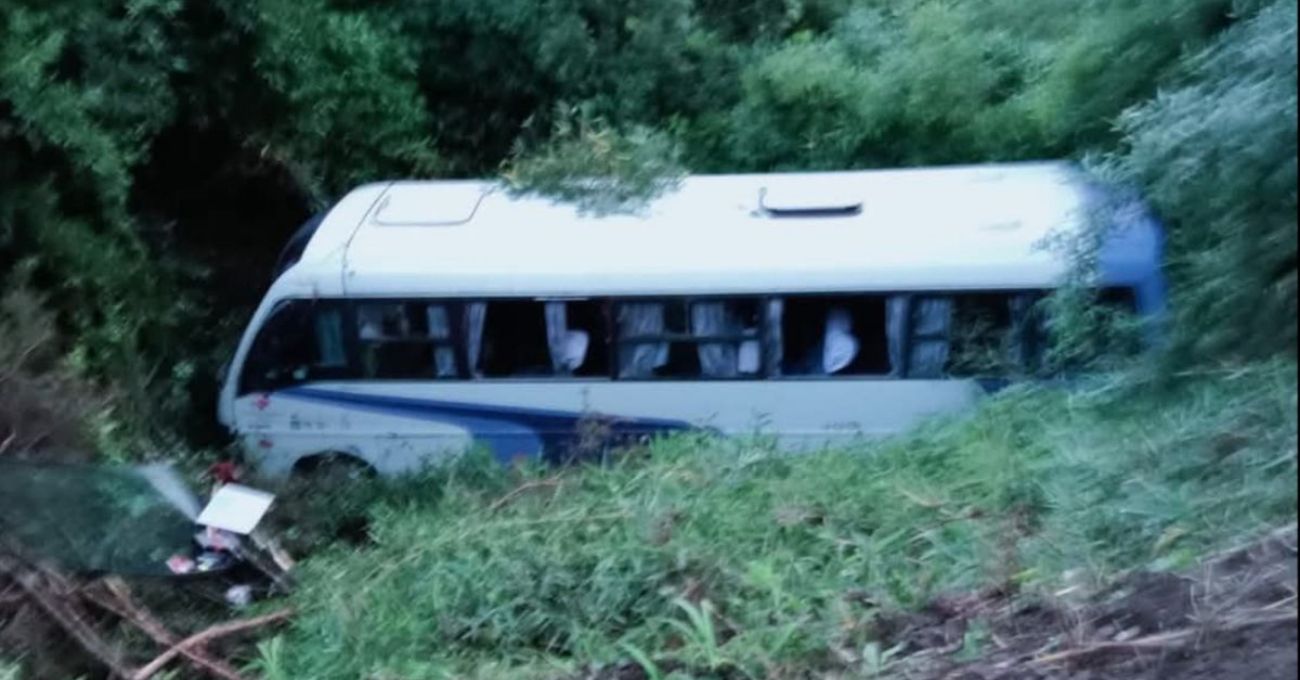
87 518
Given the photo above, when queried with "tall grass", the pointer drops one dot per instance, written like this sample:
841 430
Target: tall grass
729 558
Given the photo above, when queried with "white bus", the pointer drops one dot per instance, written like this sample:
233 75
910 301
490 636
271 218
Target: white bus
416 319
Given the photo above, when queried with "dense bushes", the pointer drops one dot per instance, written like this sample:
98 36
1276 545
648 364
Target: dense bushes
154 153
1216 154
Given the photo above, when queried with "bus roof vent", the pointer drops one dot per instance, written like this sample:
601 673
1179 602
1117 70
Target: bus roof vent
430 205
808 202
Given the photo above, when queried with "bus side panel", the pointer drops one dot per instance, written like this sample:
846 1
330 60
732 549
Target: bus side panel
277 431
400 426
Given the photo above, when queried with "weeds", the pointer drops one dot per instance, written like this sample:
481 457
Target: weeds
730 560
877 661
43 405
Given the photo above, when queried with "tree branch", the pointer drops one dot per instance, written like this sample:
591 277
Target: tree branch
205 636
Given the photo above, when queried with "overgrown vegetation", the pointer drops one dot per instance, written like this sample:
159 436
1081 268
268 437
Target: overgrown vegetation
1217 154
155 153
728 558
44 407
597 168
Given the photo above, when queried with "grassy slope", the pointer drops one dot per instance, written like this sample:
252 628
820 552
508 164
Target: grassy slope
794 555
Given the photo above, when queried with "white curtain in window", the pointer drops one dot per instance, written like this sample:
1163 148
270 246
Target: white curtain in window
444 356
475 318
370 322
717 359
639 360
929 340
557 331
568 348
839 346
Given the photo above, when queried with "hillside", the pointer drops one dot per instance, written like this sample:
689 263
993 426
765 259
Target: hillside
155 155
728 559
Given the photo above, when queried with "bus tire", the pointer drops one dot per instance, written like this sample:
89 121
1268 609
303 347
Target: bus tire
333 466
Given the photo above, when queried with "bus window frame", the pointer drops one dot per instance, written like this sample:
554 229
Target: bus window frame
455 310
618 341
1028 337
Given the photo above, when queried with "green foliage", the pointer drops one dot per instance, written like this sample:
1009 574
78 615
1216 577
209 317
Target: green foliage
767 20
1076 90
43 405
932 82
87 89
1086 334
287 104
128 128
714 557
597 168
489 68
1216 155
350 108
805 104
101 120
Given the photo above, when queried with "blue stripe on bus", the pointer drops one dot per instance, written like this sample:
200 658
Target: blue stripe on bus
508 431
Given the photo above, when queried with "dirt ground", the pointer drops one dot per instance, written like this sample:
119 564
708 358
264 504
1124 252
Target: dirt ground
1234 617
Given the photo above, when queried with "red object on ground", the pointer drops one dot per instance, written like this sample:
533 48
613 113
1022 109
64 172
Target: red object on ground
180 564
224 472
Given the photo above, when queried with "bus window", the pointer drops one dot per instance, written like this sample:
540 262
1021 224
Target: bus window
736 325
300 341
1072 331
689 339
996 334
984 341
1120 299
514 341
920 329
834 335
644 329
577 337
405 340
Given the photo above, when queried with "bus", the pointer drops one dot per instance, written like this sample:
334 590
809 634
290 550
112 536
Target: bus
415 320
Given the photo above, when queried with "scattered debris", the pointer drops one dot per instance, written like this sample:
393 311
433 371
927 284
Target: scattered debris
199 639
235 509
96 611
239 596
180 564
56 596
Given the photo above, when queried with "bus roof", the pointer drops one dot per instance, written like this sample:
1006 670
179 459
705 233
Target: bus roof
950 228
